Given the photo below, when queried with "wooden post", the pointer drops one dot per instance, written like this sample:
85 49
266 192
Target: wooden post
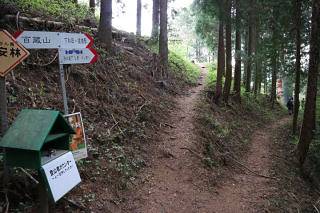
43 195
4 125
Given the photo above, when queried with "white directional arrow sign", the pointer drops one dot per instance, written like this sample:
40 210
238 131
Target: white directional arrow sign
52 40
77 56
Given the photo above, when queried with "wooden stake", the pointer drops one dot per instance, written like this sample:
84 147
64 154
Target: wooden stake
4 125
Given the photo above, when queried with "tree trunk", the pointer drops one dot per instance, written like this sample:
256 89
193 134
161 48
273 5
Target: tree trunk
245 62
248 74
237 68
256 62
298 67
274 78
308 124
138 18
155 21
163 41
92 5
105 25
220 64
227 84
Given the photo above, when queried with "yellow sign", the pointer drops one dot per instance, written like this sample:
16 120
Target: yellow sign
11 52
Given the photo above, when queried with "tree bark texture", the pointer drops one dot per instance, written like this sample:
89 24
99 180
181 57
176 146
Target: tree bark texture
274 78
138 18
155 20
298 67
227 84
245 62
308 124
237 68
92 5
256 62
163 40
105 25
248 73
221 63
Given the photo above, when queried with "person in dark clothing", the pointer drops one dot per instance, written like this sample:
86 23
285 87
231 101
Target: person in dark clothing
290 106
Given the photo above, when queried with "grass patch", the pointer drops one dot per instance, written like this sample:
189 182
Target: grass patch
68 12
182 68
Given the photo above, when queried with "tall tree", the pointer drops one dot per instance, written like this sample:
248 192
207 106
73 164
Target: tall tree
274 56
92 5
105 25
256 61
155 20
163 40
221 63
138 33
237 68
308 124
249 55
298 65
227 84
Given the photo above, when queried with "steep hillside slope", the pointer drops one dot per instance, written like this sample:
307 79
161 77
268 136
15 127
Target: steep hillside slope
122 106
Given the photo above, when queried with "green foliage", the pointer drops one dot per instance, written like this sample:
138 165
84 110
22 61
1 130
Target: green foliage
211 75
65 10
182 68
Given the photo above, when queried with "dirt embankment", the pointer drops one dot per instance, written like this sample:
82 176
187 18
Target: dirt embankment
122 106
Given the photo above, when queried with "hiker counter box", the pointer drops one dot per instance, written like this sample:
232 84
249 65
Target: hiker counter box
35 138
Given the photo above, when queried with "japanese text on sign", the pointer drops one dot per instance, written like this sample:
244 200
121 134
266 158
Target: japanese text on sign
61 174
78 144
11 52
53 40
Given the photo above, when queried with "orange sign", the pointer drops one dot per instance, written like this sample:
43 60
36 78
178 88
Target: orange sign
11 53
78 144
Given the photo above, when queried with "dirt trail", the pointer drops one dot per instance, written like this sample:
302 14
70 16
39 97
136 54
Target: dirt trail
172 186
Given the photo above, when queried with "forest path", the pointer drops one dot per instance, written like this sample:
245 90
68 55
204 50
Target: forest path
171 184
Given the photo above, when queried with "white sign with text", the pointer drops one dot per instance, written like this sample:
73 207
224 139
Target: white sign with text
61 175
77 56
52 40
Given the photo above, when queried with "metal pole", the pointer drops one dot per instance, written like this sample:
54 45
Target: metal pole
64 93
4 125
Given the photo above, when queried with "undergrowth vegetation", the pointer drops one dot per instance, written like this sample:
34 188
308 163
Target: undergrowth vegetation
226 130
69 12
182 68
292 179
211 78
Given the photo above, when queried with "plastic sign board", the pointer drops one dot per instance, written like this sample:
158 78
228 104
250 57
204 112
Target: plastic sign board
61 175
53 40
78 144
77 56
11 52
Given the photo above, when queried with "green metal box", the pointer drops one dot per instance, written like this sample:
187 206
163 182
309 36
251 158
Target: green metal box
33 136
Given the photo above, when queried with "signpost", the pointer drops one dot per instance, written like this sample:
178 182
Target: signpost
11 54
53 40
74 48
77 56
61 174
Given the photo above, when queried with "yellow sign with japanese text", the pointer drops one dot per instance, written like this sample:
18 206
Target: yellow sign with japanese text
11 52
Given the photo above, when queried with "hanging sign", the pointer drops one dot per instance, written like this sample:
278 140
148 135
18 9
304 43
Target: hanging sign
53 40
61 175
11 52
78 144
77 56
